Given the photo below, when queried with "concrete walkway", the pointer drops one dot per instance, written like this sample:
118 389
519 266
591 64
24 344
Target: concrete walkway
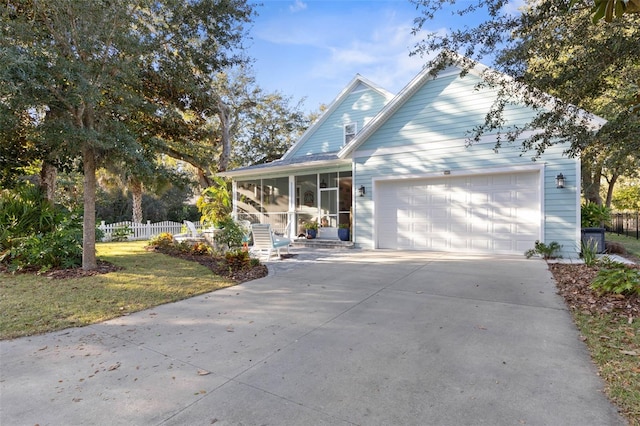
329 338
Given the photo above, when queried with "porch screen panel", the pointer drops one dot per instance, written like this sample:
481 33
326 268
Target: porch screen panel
306 199
275 195
248 198
275 202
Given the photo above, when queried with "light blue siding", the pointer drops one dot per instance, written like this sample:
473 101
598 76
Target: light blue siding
358 107
428 135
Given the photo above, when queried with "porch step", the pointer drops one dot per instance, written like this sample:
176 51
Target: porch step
322 243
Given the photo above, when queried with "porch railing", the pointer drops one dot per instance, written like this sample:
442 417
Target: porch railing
277 220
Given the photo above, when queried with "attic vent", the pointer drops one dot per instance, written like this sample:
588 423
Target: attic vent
350 131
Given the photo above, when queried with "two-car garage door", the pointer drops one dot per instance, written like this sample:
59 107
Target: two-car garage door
497 213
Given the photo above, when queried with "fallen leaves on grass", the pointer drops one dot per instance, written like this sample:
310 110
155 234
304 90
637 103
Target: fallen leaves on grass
610 327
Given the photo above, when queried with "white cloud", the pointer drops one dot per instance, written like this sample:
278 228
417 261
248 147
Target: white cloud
514 7
297 6
381 55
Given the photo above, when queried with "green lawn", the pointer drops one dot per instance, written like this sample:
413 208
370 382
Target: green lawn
32 304
614 344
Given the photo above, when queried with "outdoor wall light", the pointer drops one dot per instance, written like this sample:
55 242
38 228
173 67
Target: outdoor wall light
361 191
560 181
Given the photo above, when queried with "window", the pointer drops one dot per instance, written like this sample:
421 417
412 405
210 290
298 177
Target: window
349 132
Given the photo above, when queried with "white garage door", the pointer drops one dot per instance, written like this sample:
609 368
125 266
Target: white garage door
497 213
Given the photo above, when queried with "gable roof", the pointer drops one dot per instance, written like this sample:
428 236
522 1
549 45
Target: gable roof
358 83
290 161
416 83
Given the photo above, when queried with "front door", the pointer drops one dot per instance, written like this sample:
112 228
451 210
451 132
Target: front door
329 207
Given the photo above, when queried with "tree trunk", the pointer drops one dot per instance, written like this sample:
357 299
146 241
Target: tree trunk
204 179
224 114
89 261
48 181
591 174
612 183
135 186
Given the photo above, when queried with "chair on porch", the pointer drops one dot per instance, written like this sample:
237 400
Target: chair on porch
192 233
265 240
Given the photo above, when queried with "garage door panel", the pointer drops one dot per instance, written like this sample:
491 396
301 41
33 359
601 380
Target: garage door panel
486 213
476 181
504 245
503 228
480 244
504 197
525 229
480 199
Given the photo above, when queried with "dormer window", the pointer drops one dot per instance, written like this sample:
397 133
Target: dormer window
349 132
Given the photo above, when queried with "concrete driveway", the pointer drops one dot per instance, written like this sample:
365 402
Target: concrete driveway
354 337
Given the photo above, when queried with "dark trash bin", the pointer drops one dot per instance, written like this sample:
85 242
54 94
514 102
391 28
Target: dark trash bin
593 237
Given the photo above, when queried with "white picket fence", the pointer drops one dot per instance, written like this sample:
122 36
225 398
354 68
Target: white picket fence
142 231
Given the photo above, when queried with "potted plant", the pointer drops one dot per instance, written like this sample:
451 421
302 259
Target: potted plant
343 232
593 219
311 228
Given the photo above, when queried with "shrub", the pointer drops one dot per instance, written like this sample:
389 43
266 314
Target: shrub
589 253
593 215
200 248
546 251
24 211
99 234
121 233
162 241
215 202
61 248
34 234
167 244
237 260
617 278
231 235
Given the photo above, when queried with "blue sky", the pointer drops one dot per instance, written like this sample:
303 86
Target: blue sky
313 48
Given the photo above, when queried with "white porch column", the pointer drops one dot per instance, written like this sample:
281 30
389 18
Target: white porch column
234 199
291 214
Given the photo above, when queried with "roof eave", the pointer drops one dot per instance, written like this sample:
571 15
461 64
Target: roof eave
285 167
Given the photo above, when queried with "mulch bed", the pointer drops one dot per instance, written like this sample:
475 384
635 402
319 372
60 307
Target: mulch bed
573 282
219 267
216 264
63 273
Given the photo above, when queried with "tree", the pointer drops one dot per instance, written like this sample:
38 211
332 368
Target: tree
269 129
100 72
236 123
627 196
607 9
561 65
